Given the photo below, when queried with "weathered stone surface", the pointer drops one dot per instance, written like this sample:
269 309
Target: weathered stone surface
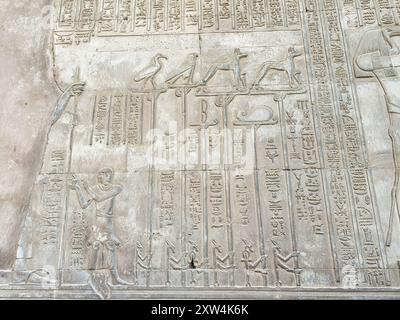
200 148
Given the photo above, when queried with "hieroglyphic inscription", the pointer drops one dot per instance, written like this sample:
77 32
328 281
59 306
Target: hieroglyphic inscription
79 20
259 13
107 19
242 14
53 200
195 202
87 15
117 134
352 145
67 14
308 182
305 207
118 120
167 203
276 12
274 197
217 200
78 240
134 120
242 198
339 202
100 121
365 212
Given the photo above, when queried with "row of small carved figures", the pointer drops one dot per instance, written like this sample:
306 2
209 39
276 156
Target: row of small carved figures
232 63
184 77
189 260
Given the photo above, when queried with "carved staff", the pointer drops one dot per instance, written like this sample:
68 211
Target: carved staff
182 92
244 120
226 101
56 115
205 122
394 205
279 99
394 200
186 73
153 99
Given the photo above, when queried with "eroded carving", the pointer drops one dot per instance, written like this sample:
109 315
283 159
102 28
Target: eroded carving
149 73
241 160
103 241
378 56
286 66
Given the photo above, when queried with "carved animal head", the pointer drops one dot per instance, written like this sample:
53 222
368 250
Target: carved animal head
195 248
217 246
240 54
248 246
159 56
276 245
170 246
392 31
293 52
139 246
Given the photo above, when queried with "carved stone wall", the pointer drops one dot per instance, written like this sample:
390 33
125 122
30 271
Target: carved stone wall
205 148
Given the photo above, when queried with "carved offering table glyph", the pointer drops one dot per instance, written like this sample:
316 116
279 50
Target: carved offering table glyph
216 148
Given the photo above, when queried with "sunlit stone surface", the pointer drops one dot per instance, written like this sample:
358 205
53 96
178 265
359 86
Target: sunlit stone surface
200 148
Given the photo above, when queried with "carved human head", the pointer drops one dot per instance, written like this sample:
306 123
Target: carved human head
105 176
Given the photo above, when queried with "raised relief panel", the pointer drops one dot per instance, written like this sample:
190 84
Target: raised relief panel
103 18
206 147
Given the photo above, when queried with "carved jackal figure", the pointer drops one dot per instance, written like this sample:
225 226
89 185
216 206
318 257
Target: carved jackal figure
287 66
233 65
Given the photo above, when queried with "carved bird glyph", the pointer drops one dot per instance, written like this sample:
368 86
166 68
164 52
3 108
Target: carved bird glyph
148 74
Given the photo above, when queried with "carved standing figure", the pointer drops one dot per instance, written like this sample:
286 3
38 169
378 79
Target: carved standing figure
287 66
378 56
102 240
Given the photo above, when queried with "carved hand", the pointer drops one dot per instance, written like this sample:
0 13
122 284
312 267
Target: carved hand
73 182
76 89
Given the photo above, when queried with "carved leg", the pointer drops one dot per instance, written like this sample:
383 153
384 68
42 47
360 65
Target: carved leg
238 79
216 284
296 77
261 74
145 83
248 284
153 83
290 77
211 73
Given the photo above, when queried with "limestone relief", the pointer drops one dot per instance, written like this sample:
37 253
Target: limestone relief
205 148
